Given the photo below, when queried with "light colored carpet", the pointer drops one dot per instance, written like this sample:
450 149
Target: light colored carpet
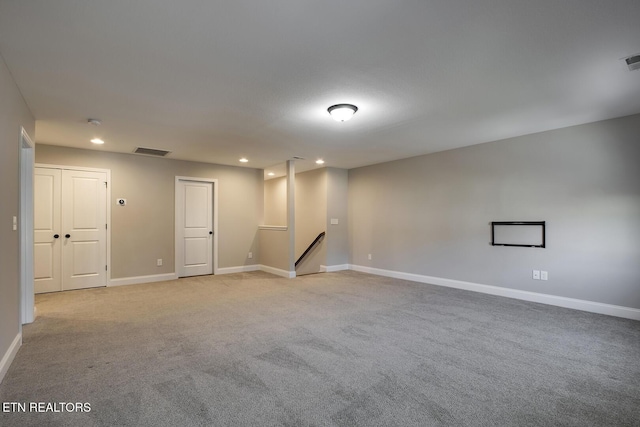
334 349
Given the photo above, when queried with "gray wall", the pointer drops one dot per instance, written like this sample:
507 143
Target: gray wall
430 215
275 201
143 231
274 248
337 202
14 113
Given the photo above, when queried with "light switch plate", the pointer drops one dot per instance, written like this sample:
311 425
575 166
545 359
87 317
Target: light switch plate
536 274
334 221
544 275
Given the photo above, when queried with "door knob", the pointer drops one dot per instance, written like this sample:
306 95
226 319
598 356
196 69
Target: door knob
211 232
67 235
55 236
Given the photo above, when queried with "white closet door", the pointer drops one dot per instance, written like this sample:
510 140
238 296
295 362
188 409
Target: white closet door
47 238
195 232
84 229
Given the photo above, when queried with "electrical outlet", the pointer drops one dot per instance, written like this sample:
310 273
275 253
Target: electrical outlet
159 262
369 257
14 225
250 256
536 274
544 275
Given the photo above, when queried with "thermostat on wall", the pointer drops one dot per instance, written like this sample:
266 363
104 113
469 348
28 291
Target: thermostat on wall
121 202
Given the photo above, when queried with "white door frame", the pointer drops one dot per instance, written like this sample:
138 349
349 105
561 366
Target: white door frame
27 300
215 219
108 172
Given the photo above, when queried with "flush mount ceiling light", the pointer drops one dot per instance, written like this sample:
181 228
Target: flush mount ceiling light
244 160
97 141
320 162
342 112
95 122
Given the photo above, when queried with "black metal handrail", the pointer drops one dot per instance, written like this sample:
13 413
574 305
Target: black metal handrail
315 242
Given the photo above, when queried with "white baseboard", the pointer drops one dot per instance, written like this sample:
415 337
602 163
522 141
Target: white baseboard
238 269
10 355
332 268
142 279
278 272
576 304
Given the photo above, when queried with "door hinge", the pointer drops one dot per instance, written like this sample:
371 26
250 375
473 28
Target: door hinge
105 184
105 226
105 268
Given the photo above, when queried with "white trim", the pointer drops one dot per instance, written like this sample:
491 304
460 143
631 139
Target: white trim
108 171
216 190
273 227
142 279
332 268
25 225
73 168
8 357
239 269
278 271
573 303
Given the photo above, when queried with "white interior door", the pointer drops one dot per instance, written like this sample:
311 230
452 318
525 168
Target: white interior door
70 236
194 228
47 241
84 224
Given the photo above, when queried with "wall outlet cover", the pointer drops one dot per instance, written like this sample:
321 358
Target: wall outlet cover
544 275
536 274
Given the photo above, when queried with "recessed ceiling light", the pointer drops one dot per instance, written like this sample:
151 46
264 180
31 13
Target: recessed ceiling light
97 141
319 162
342 112
271 174
243 160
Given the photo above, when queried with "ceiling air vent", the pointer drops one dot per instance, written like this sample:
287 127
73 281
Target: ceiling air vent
151 152
633 62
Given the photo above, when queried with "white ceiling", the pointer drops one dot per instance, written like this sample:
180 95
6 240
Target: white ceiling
217 80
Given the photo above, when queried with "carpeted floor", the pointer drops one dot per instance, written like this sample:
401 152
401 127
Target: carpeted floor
334 349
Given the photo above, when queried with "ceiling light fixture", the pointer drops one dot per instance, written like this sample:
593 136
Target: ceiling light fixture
243 160
320 162
97 141
633 62
95 122
342 112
